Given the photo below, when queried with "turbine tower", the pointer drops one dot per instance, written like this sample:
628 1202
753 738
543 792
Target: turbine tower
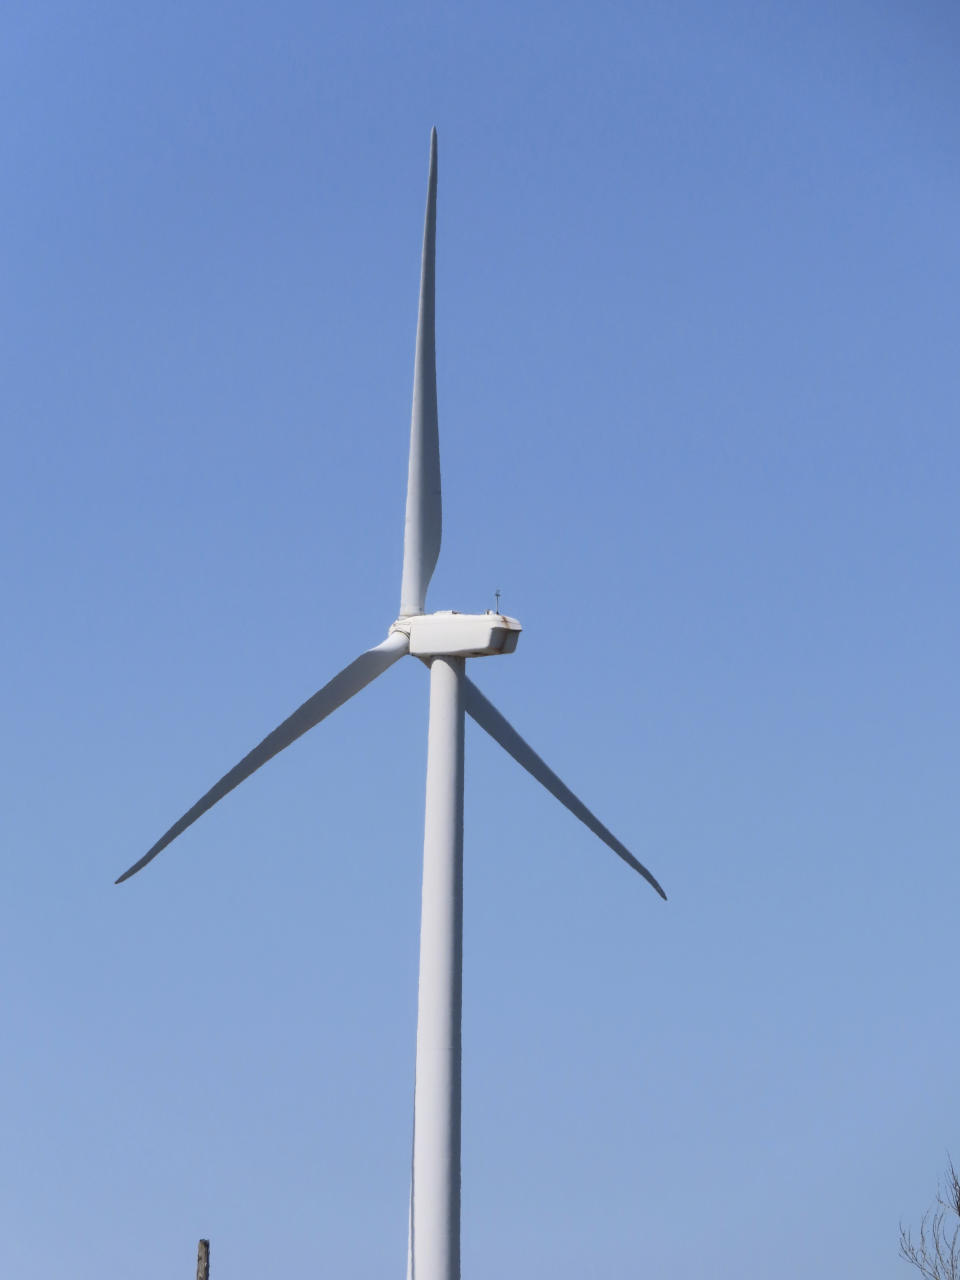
444 641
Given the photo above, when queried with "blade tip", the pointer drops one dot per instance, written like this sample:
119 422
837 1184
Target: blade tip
655 884
132 871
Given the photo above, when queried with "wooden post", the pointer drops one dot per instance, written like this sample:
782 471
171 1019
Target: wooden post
203 1260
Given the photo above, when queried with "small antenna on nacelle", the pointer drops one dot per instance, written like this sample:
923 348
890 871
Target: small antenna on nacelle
497 594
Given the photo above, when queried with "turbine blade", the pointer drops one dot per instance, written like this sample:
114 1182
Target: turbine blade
333 694
488 717
421 535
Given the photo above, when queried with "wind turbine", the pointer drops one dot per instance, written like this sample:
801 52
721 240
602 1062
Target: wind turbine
443 640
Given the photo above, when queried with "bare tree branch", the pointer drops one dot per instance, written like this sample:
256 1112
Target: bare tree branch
936 1251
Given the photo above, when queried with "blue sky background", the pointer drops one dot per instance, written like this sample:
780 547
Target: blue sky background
697 295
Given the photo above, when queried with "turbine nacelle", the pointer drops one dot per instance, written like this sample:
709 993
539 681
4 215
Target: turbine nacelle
450 634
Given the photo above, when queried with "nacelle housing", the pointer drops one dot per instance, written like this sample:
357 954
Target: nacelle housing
460 635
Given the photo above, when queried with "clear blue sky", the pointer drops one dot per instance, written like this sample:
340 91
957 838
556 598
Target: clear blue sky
697 301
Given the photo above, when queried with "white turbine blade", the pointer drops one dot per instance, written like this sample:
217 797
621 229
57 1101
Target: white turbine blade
488 717
333 694
421 535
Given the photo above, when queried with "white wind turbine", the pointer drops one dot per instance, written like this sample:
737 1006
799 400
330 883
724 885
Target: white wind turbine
443 640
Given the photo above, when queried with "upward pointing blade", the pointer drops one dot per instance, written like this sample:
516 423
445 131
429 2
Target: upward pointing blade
421 536
333 694
488 717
